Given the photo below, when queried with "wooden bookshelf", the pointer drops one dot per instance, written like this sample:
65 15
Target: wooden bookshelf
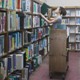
20 36
72 21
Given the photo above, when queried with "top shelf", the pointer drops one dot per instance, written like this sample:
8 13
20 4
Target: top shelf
38 1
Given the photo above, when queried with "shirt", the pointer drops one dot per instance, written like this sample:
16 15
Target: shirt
58 22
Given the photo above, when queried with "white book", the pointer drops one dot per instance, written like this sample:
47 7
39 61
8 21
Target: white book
19 61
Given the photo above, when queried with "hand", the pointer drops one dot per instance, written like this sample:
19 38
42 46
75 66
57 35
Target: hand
40 14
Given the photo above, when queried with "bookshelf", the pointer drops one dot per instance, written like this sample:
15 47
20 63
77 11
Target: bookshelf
72 21
24 38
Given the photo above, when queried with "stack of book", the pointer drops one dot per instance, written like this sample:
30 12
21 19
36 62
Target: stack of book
26 5
36 21
27 21
1 45
2 21
13 21
36 8
15 41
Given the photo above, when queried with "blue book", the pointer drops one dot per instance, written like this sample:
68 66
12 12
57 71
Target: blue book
1 44
9 66
14 61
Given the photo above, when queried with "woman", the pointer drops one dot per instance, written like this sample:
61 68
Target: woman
60 11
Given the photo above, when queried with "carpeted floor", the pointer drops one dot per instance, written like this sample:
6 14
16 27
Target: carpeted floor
42 73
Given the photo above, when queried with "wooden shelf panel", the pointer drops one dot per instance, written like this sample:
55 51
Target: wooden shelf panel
2 33
36 40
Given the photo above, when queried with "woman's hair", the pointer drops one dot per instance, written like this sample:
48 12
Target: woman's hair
62 11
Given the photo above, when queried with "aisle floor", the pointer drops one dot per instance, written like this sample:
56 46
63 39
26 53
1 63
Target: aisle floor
42 72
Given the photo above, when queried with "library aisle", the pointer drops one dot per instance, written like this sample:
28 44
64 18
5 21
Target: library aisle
42 73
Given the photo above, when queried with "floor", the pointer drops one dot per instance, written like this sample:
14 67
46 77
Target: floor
42 72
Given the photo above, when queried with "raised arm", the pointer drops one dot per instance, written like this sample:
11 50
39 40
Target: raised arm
49 21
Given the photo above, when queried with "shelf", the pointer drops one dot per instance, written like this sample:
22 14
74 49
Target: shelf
69 16
3 9
36 14
73 24
38 1
77 50
14 31
72 33
2 33
10 52
72 42
72 50
36 40
28 28
30 13
77 41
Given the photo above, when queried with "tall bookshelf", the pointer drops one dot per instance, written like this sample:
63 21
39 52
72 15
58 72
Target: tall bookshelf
73 24
24 38
72 21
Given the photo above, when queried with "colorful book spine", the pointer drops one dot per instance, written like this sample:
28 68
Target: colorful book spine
15 41
36 8
26 5
27 22
1 45
36 21
12 17
2 21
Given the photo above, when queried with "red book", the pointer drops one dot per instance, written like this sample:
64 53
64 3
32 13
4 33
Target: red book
19 4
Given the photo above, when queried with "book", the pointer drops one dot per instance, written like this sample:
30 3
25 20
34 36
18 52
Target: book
36 21
26 5
36 49
35 35
44 8
78 21
15 41
12 17
36 8
27 21
18 5
2 21
25 73
77 12
25 38
1 45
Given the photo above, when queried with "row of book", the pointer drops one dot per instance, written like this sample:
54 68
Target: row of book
43 22
2 21
15 41
35 35
74 38
36 21
78 46
24 5
77 38
27 21
74 29
36 7
74 46
17 62
13 21
1 45
72 21
73 12
34 48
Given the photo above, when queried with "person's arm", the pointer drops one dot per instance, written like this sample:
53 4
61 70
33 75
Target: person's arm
49 21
